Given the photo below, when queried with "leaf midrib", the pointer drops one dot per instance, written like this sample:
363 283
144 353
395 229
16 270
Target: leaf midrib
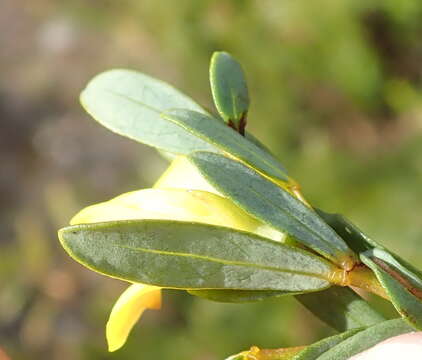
222 261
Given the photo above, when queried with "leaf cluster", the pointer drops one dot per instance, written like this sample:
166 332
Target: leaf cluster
323 255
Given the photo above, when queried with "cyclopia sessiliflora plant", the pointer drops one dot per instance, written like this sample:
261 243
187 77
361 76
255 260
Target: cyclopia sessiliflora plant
225 222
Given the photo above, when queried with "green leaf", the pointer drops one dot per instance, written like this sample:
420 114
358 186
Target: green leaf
220 136
229 90
365 339
236 296
272 205
130 103
312 352
403 287
341 308
186 255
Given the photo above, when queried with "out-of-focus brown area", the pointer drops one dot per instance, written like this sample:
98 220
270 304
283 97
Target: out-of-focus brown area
336 91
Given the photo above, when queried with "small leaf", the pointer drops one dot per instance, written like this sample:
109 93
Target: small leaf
312 352
229 90
403 287
185 255
272 205
341 308
130 103
365 339
221 137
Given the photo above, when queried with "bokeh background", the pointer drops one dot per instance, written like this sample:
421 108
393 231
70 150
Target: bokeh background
336 87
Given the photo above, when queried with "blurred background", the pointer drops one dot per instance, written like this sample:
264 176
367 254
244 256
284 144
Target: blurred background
336 87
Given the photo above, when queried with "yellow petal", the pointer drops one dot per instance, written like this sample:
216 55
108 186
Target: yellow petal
127 310
174 204
182 174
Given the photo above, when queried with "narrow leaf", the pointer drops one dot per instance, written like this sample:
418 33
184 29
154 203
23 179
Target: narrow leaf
405 291
229 90
365 339
272 205
194 256
312 352
129 103
341 308
223 138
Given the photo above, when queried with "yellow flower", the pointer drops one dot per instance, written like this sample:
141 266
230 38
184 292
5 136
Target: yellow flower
182 194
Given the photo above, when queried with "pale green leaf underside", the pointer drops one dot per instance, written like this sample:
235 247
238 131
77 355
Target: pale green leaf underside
271 204
130 103
228 87
193 256
220 136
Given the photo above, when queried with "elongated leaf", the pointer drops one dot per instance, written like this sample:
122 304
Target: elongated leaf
404 291
129 103
236 296
312 352
229 89
193 256
365 339
272 205
220 136
341 308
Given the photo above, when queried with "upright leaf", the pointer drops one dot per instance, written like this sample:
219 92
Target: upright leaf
194 256
272 205
341 308
403 287
223 138
229 90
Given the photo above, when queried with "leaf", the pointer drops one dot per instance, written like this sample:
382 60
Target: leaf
337 347
365 339
185 255
272 205
403 287
130 103
236 296
220 136
341 308
229 89
312 352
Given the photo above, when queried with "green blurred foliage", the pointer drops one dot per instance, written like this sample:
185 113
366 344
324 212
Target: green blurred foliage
336 94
